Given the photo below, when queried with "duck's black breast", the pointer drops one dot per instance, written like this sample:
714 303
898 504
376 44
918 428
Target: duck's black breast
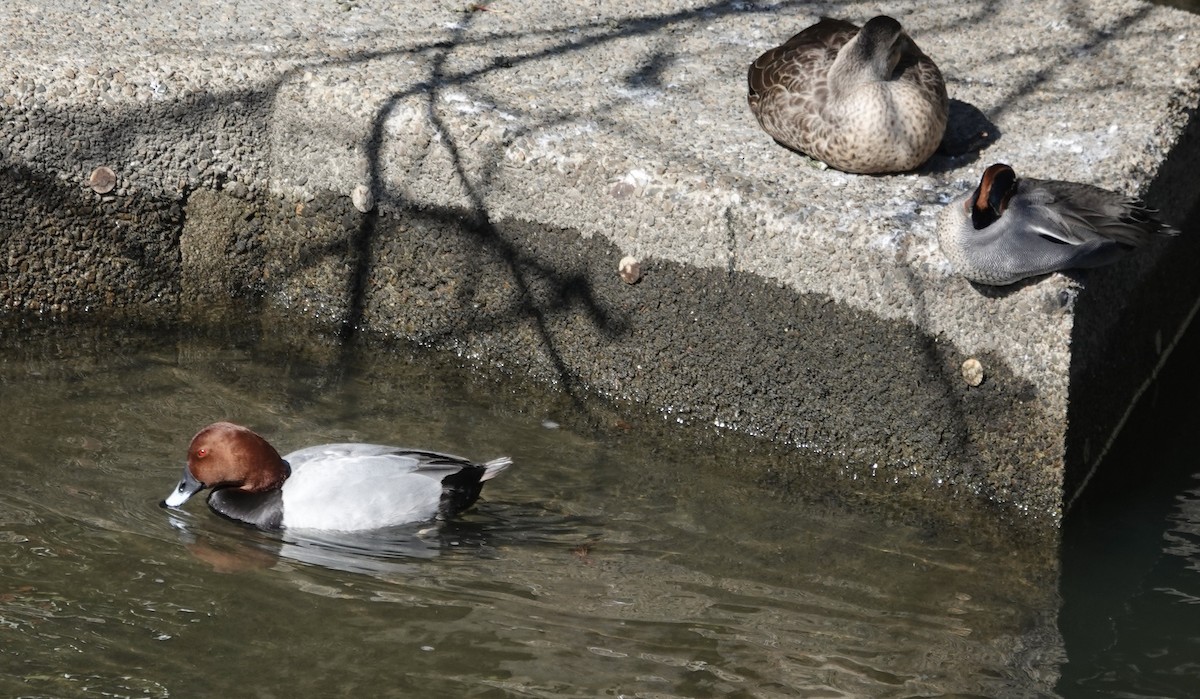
262 510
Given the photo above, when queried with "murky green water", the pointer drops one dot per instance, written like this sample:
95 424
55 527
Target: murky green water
1131 554
606 562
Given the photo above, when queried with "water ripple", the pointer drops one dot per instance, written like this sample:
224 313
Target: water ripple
597 566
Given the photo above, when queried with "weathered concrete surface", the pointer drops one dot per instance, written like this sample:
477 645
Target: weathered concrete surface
518 151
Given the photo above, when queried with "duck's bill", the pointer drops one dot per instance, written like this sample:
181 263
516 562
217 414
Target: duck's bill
188 486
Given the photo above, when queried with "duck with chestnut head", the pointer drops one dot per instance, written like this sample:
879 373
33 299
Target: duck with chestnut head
339 487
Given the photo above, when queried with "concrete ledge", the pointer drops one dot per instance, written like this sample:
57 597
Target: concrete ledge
516 153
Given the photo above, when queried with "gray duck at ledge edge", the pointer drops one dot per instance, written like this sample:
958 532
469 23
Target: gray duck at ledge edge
1011 228
862 101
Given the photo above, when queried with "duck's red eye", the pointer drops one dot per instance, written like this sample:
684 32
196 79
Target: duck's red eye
202 452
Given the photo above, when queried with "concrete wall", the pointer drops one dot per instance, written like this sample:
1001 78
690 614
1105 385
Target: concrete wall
515 156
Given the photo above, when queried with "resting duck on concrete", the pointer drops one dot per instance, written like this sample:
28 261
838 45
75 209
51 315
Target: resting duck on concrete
864 101
342 487
1009 229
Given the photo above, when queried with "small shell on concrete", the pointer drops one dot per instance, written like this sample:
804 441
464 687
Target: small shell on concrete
972 372
363 198
630 269
102 180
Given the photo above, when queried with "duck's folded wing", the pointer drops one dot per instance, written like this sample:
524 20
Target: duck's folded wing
1082 214
797 63
1047 241
1061 226
381 455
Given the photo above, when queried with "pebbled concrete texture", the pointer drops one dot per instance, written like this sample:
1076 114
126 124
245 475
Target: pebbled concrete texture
516 153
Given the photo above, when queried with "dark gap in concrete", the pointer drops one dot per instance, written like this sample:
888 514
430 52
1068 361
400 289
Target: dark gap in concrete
1116 353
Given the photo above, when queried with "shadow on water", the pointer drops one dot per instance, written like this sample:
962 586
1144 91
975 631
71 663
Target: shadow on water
1131 555
1131 546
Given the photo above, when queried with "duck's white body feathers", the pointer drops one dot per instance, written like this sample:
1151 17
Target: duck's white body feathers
363 486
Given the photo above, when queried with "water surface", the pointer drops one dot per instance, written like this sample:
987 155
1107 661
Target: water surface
609 561
1131 553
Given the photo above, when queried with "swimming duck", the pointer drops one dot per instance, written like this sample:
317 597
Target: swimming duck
864 101
342 487
1009 229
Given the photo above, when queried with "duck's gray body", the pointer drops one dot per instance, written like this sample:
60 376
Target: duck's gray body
864 101
1040 226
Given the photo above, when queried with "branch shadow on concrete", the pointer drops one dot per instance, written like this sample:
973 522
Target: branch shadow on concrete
528 272
573 290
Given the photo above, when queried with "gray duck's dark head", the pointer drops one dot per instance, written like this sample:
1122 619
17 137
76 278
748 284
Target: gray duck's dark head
991 197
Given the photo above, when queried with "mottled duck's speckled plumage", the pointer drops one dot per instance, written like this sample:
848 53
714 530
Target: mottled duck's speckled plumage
864 101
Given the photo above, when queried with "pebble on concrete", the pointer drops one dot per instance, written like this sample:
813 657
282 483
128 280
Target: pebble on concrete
363 199
972 372
102 180
630 269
